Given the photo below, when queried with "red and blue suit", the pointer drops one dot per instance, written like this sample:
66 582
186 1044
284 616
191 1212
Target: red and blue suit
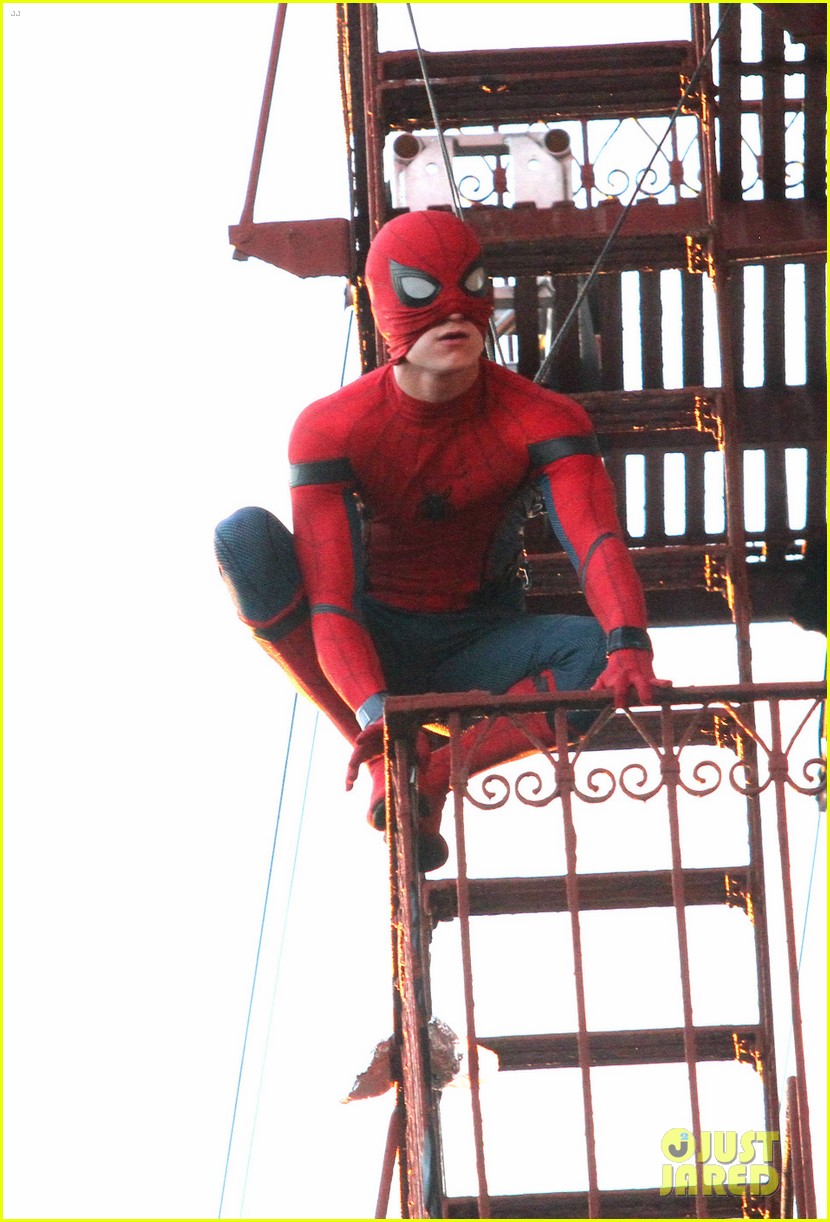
402 574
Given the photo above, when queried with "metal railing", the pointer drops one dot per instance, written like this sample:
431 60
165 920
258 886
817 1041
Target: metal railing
757 744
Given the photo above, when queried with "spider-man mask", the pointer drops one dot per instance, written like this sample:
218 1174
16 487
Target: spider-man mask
423 267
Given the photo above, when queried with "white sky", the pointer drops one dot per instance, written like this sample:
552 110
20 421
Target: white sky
150 385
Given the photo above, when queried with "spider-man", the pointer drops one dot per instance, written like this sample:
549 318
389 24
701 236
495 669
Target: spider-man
410 488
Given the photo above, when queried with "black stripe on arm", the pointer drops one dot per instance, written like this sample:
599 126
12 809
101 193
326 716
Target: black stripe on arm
609 534
333 609
327 471
543 452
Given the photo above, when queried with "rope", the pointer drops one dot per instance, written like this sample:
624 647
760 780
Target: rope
258 953
493 347
544 368
456 198
265 909
346 348
279 959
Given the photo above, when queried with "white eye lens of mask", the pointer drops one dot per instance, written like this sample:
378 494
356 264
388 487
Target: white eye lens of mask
476 280
417 287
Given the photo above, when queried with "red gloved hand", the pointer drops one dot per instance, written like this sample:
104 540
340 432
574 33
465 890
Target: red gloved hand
367 746
627 669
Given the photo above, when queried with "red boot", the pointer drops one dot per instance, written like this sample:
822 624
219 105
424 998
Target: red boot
433 850
498 740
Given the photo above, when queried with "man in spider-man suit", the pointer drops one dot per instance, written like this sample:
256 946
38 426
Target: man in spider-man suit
409 490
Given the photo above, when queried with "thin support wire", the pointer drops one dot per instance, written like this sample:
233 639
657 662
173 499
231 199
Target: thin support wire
456 198
279 958
544 368
256 962
494 348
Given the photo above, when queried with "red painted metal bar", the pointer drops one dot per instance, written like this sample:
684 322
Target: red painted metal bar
374 133
564 781
265 110
671 773
416 1087
796 1166
739 600
457 782
778 771
415 709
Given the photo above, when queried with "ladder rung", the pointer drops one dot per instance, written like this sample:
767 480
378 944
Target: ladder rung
621 1203
661 1046
632 889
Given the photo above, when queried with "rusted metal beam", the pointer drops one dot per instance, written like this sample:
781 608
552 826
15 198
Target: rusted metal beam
804 22
758 230
634 889
304 248
620 1203
662 1046
402 712
533 84
568 239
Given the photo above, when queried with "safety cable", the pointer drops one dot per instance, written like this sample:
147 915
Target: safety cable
279 961
346 349
258 953
456 198
265 903
494 348
544 368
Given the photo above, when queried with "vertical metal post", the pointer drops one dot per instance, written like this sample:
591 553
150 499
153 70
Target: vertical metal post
564 781
671 773
732 457
265 110
778 769
374 135
411 1036
457 783
739 592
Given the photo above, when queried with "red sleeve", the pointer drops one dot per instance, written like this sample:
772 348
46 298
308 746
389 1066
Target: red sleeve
581 502
327 540
582 505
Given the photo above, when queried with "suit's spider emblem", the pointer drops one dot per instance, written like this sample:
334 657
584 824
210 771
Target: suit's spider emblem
435 506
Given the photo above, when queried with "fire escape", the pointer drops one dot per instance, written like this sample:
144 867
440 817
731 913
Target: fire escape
722 249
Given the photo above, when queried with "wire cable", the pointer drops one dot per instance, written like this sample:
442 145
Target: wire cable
258 953
544 368
456 198
494 348
265 904
346 348
279 959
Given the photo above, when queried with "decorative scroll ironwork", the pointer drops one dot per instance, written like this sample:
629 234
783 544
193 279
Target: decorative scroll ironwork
729 727
608 159
608 155
473 188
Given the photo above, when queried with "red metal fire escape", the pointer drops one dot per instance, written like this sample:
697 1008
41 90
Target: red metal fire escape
734 212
